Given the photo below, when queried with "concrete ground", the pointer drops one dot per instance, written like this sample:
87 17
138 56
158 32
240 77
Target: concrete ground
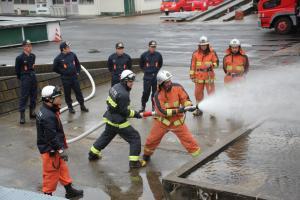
110 178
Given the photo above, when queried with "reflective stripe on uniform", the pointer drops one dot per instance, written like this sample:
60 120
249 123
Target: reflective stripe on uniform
238 68
169 112
176 104
208 63
168 123
111 102
123 125
131 113
187 103
178 122
196 153
198 63
192 72
167 105
134 158
164 121
205 81
215 65
95 151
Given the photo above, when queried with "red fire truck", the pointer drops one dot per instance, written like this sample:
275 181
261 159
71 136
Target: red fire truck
282 15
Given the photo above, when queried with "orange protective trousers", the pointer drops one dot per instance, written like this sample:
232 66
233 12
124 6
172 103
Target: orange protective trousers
55 170
157 132
199 90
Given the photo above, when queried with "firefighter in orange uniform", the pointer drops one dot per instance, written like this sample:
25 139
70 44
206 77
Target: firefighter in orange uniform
170 101
204 60
235 63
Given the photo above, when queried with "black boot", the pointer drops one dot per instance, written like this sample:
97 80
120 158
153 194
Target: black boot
146 158
137 164
32 114
22 117
93 157
83 108
71 110
72 192
50 194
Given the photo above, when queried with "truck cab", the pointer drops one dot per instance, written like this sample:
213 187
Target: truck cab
282 15
175 6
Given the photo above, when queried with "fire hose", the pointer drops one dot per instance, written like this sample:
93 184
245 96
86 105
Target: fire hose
91 130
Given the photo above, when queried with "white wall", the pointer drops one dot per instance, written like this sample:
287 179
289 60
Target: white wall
111 6
88 9
147 5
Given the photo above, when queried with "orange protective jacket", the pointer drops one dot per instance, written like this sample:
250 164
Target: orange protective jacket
167 105
235 63
203 64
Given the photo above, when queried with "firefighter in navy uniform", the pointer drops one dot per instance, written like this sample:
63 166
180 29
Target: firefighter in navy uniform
150 62
118 62
25 73
116 119
67 65
51 142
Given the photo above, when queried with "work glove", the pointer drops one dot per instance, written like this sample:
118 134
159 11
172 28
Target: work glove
137 115
63 155
181 110
52 153
191 109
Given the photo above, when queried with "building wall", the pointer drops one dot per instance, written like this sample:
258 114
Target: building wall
29 7
99 7
89 9
115 6
147 5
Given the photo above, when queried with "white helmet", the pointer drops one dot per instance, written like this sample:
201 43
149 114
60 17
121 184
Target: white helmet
50 92
127 75
163 76
235 43
203 40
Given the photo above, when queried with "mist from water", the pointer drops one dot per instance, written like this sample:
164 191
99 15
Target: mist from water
273 92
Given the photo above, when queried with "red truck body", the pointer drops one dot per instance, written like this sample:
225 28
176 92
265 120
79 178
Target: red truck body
283 15
187 5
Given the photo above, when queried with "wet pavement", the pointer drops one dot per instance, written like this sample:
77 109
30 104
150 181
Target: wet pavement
264 163
20 164
110 177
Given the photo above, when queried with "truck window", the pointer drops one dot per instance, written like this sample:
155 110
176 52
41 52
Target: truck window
271 4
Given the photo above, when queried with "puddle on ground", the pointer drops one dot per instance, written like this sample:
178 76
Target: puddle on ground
265 162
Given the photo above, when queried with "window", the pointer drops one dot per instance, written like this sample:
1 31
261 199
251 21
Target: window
31 1
57 2
86 1
271 4
23 1
17 1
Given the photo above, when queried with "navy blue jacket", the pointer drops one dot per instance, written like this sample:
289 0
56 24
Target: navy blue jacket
151 63
50 133
24 64
119 94
116 64
67 65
